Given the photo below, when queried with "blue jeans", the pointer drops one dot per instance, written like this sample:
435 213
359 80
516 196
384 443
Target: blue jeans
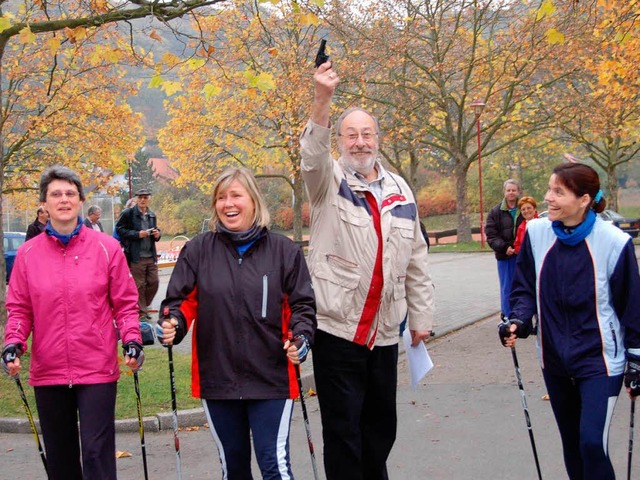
506 271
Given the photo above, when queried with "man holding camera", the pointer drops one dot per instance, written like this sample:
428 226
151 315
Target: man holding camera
368 263
138 231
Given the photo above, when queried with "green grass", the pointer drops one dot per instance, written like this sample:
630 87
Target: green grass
463 247
440 222
155 389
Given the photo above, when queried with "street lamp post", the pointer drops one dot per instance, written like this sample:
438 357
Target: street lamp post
129 174
478 106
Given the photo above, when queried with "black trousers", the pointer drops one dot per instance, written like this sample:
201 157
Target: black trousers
357 395
59 408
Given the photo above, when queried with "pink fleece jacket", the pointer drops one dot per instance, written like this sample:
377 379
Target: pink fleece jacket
73 300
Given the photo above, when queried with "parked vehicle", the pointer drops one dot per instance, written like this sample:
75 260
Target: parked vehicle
629 225
11 242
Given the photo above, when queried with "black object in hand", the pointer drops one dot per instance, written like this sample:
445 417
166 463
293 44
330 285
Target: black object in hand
321 56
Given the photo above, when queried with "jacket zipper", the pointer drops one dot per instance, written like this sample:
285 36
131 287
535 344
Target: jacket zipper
66 315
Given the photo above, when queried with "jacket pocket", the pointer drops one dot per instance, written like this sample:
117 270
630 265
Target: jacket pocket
352 218
402 238
336 280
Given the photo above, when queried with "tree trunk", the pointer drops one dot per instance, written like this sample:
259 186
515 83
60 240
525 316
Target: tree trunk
612 186
298 200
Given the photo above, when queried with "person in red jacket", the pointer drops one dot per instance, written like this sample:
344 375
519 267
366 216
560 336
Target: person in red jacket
70 287
528 208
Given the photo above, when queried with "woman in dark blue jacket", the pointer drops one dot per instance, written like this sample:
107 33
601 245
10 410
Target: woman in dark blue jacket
579 275
243 289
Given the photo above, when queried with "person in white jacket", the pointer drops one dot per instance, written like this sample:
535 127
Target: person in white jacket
368 263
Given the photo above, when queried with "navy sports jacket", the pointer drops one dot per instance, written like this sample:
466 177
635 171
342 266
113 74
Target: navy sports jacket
587 298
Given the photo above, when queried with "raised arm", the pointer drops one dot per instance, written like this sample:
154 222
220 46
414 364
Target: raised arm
326 80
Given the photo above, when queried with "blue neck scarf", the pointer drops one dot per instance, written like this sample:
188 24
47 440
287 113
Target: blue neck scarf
574 235
63 238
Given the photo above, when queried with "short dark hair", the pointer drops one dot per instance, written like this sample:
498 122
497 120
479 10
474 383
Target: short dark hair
93 209
581 179
59 172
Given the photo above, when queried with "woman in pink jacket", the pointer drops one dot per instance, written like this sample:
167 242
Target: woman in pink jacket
66 288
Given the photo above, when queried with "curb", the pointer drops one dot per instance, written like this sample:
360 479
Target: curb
157 423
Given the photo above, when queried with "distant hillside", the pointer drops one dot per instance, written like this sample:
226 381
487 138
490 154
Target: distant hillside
150 100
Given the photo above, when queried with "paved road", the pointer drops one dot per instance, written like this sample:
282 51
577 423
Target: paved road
465 421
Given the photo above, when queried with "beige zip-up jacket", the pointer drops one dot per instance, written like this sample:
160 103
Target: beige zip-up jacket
343 246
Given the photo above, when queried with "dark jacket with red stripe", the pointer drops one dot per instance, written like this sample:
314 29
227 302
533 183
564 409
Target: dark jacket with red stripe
241 309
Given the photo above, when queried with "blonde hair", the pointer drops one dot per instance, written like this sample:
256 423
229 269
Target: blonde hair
261 215
529 200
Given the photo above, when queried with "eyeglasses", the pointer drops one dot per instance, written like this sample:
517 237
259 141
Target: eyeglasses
59 194
353 136
142 197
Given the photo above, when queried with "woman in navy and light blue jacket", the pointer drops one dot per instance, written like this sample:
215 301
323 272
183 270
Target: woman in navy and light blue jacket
579 275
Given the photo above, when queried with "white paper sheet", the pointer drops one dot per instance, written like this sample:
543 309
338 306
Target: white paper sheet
419 360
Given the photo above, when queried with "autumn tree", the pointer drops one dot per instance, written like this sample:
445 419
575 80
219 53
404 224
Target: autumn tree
61 87
597 109
423 63
249 106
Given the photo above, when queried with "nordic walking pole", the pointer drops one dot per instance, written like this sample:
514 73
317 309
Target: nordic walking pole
305 416
32 423
136 384
174 410
526 409
631 418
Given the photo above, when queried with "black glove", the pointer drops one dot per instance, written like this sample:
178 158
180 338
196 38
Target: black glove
504 330
632 374
302 344
9 354
134 350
